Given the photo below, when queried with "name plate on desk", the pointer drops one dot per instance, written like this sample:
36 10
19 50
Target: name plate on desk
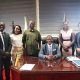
27 67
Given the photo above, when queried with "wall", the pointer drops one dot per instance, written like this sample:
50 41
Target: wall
15 10
51 13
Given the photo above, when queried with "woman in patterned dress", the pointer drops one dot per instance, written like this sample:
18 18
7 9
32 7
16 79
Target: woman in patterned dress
17 46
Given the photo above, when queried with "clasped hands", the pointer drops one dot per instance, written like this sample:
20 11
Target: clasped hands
66 47
50 57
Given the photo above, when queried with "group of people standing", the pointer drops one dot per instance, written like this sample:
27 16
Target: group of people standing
13 47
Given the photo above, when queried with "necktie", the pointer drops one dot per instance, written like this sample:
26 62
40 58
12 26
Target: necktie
1 34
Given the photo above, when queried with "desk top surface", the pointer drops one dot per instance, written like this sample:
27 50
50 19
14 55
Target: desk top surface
59 65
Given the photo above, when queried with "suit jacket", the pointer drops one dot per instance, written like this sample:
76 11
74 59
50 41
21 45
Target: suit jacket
77 40
7 43
44 51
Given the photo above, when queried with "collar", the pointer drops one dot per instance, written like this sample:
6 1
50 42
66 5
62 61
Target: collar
1 32
31 30
49 45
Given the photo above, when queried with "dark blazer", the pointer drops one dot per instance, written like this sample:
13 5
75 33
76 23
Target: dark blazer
44 51
77 40
7 43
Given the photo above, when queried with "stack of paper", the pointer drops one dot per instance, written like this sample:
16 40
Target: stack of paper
75 60
71 58
27 67
76 63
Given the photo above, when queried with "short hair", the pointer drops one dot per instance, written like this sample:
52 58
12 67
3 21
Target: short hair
2 24
31 21
49 36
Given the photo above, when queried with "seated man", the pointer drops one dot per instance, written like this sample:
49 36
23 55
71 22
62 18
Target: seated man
49 50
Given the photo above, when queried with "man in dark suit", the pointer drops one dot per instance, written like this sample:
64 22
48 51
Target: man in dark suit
5 56
50 50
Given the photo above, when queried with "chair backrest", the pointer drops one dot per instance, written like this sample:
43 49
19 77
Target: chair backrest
55 40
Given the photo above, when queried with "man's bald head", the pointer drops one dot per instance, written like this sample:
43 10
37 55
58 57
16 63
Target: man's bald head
49 39
31 24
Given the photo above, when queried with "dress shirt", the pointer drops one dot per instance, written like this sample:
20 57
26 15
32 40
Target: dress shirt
2 41
50 48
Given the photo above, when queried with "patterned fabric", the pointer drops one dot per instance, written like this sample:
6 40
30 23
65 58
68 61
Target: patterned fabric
17 48
31 39
17 55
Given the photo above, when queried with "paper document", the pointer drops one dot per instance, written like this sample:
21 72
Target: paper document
71 58
76 62
27 67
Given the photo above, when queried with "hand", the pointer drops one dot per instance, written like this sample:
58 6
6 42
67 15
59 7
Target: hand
69 45
50 57
7 54
65 47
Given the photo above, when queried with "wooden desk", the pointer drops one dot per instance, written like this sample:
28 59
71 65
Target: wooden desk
61 70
